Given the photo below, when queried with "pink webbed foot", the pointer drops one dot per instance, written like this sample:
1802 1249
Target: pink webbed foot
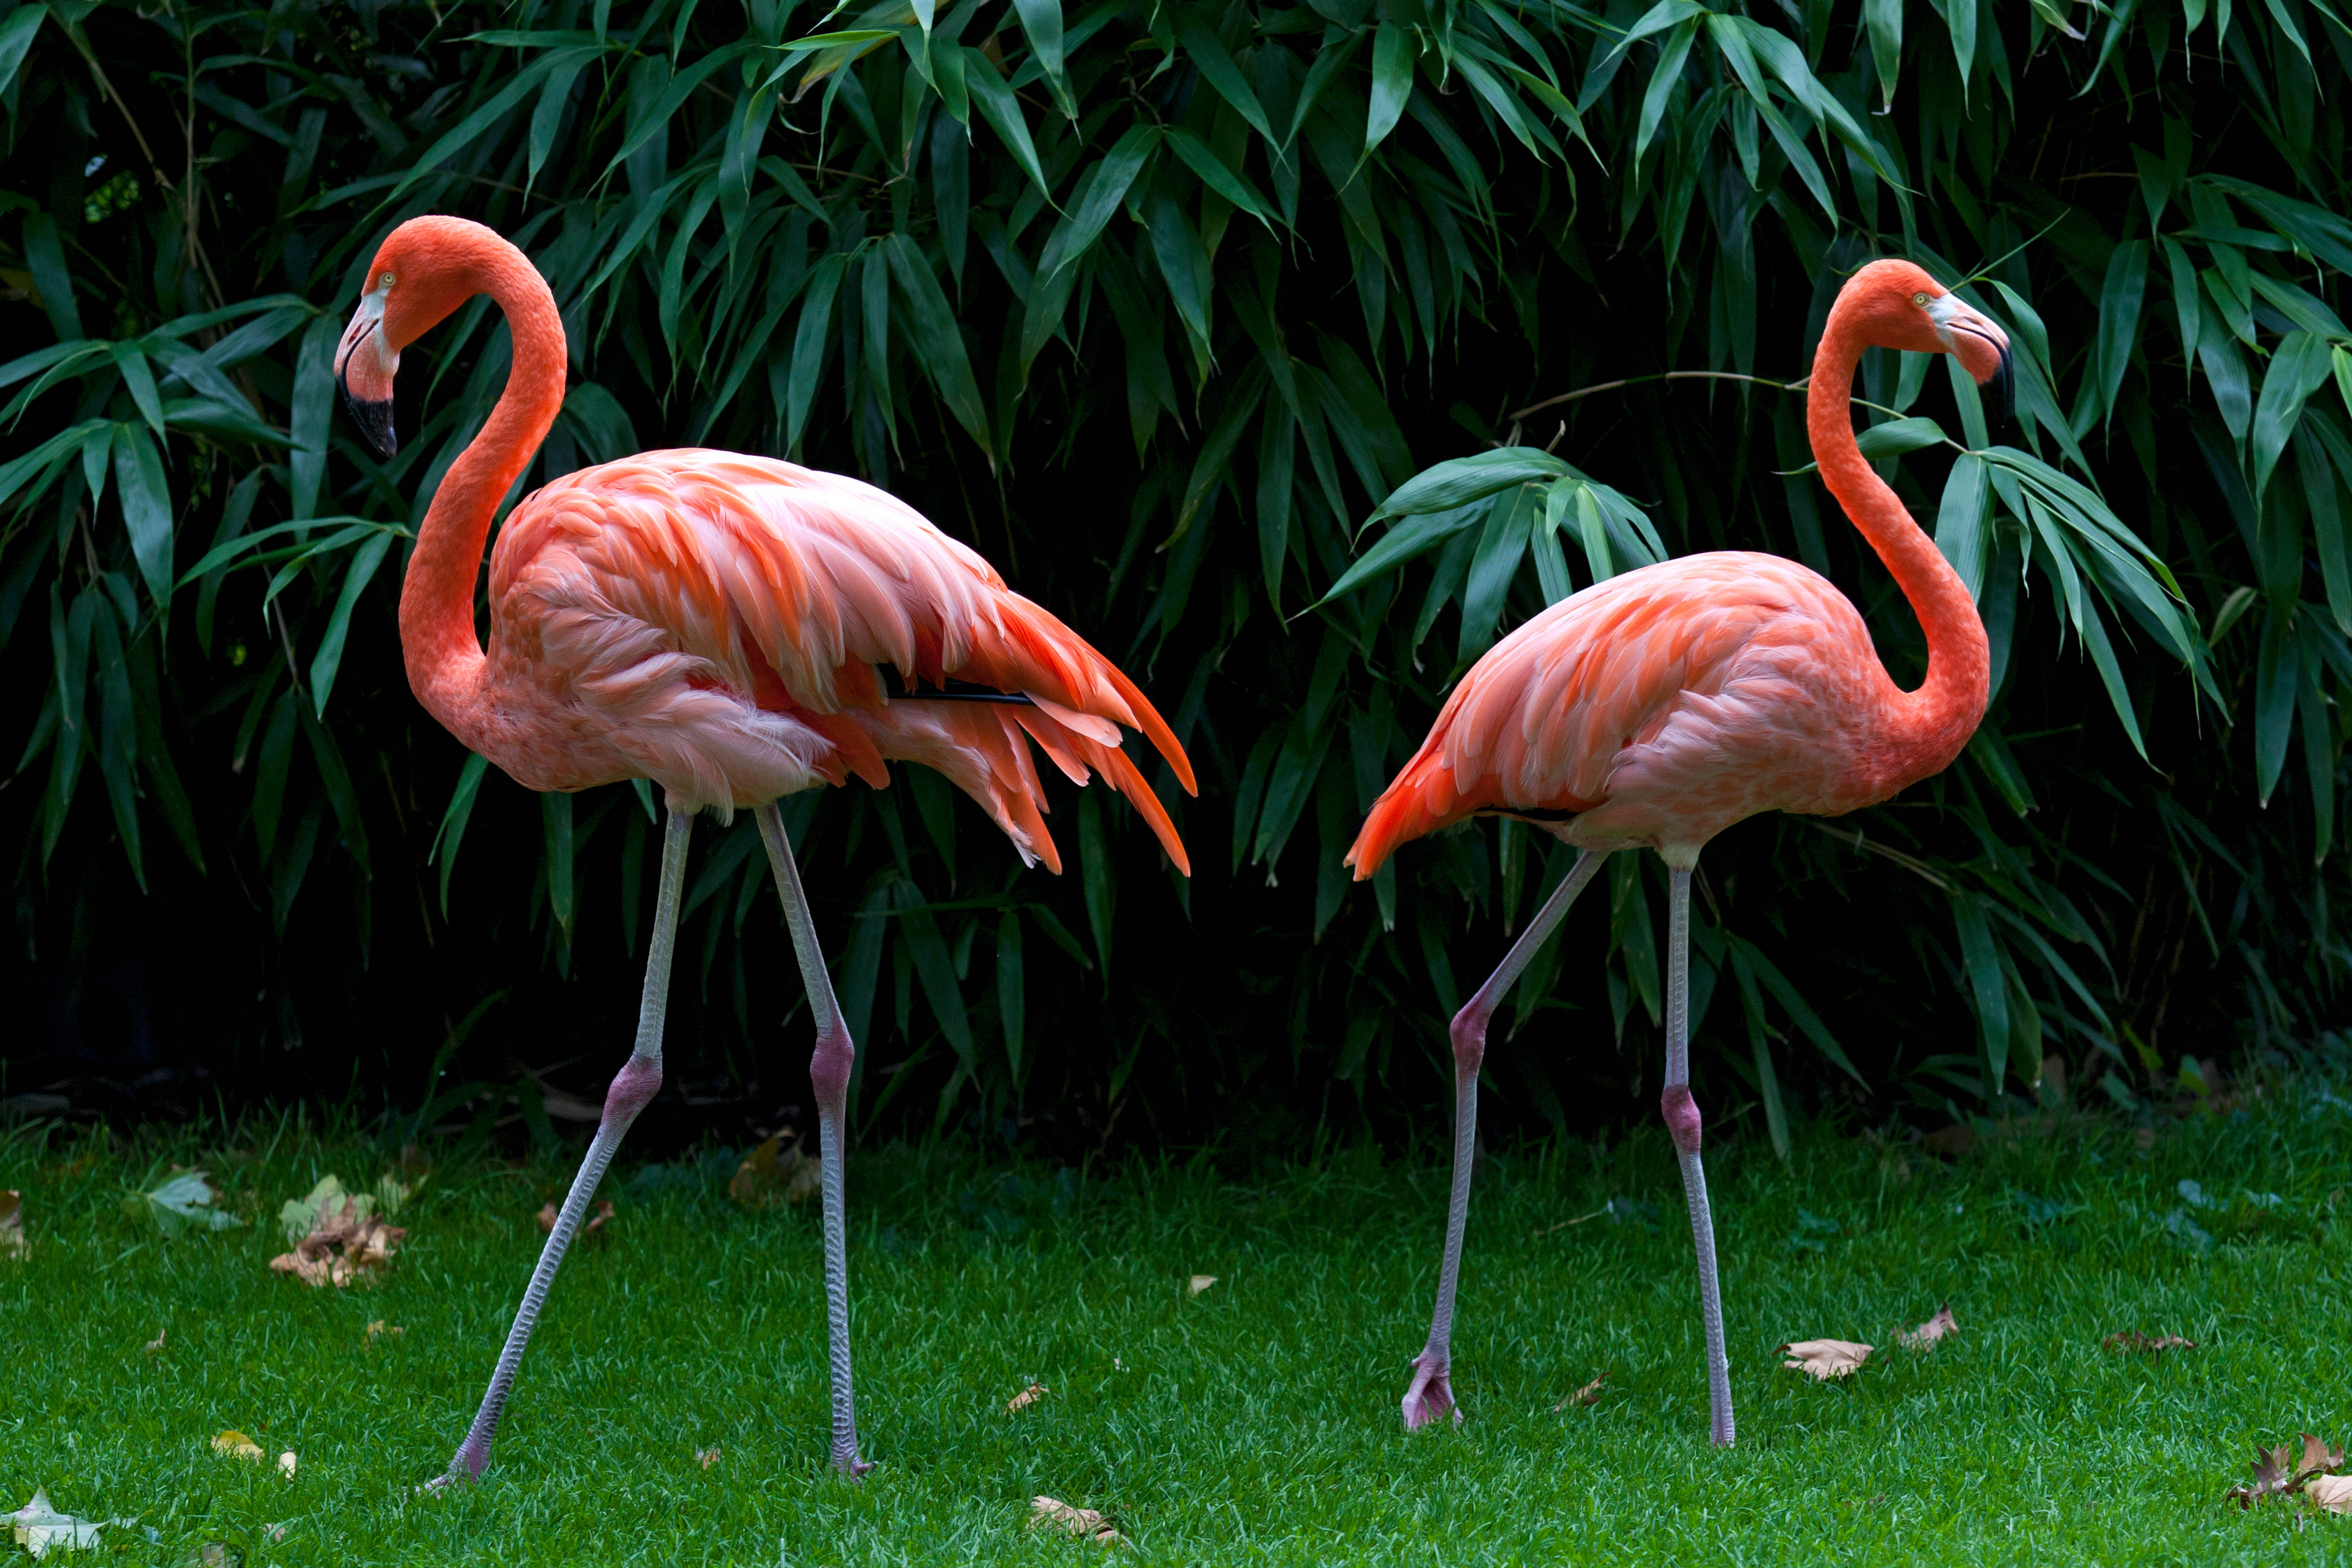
1431 1396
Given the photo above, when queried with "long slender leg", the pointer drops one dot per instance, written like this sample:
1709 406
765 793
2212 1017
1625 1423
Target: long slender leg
1683 1120
632 1087
829 1072
1430 1394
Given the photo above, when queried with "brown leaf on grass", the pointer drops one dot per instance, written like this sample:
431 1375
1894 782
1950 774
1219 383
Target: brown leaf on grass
777 1171
346 1246
2332 1493
593 1231
12 1224
1825 1358
1588 1395
40 1529
379 1328
1079 1521
287 1463
1026 1397
1199 1283
2153 1344
155 1345
231 1444
2278 1473
1924 1336
706 1457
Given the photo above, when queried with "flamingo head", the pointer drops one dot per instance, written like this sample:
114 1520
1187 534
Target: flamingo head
1906 309
425 268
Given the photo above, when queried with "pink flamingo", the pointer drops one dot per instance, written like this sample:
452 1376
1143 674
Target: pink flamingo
1660 707
717 623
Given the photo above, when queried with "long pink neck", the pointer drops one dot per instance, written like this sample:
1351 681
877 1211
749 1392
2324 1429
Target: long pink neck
436 601
1926 729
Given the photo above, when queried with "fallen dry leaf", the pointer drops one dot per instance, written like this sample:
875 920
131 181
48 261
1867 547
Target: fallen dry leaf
379 1328
777 1171
1200 1283
155 1345
2332 1493
706 1457
2154 1345
1588 1395
2277 1473
287 1463
1825 1358
40 1529
1026 1397
347 1245
12 1224
298 1218
1079 1521
1924 1336
214 1554
593 1231
232 1444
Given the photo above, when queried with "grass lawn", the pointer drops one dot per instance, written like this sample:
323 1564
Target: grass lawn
1255 1422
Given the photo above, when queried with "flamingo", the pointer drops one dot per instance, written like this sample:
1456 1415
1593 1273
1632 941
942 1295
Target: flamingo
1660 707
720 625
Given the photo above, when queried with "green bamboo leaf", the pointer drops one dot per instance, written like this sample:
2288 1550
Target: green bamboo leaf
330 657
1216 66
1392 56
1011 995
1897 436
335 778
2298 366
1456 482
938 342
466 131
2225 370
1988 985
1883 20
1960 522
2276 674
117 735
2119 302
313 408
549 115
555 821
1100 198
1409 538
1101 875
2321 753
45 258
16 40
808 345
993 98
657 116
146 508
1509 520
452 830
2321 457
140 381
861 963
1041 21
1215 172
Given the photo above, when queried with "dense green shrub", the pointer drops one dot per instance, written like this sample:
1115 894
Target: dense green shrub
1156 303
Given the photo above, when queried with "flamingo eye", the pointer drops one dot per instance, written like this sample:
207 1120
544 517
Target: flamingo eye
1921 298
385 282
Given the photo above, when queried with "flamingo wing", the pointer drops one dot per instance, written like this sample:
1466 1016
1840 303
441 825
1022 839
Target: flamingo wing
721 618
1656 707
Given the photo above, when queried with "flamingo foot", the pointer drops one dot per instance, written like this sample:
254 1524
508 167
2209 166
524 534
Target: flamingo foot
1431 1396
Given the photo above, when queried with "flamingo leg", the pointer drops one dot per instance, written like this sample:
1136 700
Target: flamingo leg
1683 1121
829 1072
632 1087
1430 1394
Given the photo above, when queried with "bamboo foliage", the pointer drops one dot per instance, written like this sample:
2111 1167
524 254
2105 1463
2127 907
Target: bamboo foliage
1159 304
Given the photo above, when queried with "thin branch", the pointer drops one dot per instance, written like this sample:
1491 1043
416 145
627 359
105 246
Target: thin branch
1797 386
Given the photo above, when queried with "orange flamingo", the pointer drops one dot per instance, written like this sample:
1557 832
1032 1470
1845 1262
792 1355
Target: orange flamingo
1660 707
720 625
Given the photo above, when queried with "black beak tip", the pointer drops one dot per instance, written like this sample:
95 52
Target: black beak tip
2004 394
375 420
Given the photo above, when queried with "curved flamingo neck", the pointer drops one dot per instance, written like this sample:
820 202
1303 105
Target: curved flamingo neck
445 664
1926 729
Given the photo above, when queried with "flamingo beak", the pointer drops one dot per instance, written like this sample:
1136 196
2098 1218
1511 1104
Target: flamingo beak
365 367
1983 348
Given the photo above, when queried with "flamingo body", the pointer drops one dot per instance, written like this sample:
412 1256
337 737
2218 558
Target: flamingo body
1659 706
713 622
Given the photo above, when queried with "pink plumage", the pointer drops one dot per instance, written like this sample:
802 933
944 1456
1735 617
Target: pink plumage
713 622
1663 705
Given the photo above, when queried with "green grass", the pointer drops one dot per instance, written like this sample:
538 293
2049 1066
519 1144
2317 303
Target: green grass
1256 1422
